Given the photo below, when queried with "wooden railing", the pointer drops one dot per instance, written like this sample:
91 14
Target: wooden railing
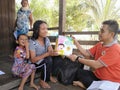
82 42
91 41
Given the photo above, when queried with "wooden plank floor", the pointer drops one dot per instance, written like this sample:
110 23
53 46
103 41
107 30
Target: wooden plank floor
7 82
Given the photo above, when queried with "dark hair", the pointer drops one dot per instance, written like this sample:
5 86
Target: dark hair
21 35
36 29
61 44
113 25
23 0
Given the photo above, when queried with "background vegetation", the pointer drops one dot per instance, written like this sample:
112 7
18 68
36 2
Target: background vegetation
81 15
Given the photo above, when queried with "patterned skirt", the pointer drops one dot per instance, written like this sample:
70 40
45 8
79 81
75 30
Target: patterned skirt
23 70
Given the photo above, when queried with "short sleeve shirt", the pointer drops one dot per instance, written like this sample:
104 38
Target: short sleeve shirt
23 18
37 48
109 56
19 55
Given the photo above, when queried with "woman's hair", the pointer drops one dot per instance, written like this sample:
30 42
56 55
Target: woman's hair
24 0
36 29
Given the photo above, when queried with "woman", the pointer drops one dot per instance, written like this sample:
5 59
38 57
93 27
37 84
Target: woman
24 19
41 52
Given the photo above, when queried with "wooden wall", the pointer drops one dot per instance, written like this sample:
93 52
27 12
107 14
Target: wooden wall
7 18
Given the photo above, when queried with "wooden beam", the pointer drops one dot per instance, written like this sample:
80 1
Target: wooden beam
7 18
62 16
80 33
82 42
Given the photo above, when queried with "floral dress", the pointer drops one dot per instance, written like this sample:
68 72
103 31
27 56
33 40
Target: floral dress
22 22
20 67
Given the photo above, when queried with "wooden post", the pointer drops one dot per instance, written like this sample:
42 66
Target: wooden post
7 19
62 16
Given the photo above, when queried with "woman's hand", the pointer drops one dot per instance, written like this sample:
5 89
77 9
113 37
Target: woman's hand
52 53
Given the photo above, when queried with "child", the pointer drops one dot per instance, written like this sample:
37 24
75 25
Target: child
24 18
20 67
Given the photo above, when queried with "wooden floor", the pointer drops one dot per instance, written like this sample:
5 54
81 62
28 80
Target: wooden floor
7 82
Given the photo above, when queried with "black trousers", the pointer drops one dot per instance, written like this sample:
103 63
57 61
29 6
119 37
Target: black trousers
57 63
45 67
86 77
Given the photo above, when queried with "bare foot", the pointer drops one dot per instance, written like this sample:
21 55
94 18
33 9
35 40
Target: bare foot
53 79
78 83
20 88
44 84
35 86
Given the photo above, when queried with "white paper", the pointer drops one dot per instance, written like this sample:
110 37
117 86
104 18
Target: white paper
1 72
104 85
64 45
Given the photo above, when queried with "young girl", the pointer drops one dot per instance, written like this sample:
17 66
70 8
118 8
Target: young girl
24 19
20 67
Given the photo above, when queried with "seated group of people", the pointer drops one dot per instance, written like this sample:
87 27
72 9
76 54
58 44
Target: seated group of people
35 54
38 50
106 54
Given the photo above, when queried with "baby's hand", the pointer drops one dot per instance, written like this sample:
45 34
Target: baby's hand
26 44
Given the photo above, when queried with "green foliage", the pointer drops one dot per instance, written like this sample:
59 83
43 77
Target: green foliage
101 10
76 17
80 14
42 9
